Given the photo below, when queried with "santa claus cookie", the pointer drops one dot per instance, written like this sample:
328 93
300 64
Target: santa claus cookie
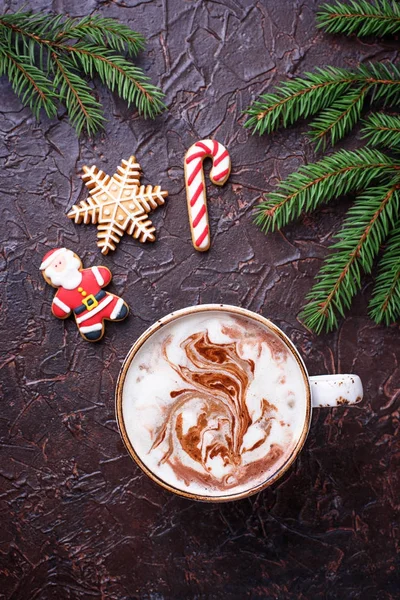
80 292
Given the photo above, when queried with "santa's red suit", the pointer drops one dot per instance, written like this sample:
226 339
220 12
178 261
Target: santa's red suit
89 302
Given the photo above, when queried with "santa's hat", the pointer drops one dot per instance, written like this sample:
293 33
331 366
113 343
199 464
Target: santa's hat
50 256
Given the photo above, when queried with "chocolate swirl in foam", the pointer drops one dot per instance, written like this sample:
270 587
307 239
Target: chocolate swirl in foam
216 385
214 403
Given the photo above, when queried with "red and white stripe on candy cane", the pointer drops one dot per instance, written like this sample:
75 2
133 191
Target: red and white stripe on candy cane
196 189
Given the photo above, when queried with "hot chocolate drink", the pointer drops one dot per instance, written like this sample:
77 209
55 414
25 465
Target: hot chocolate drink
214 403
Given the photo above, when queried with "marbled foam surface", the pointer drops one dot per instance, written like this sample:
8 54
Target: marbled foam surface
214 403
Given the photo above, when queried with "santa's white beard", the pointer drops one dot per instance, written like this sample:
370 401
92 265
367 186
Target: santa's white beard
70 278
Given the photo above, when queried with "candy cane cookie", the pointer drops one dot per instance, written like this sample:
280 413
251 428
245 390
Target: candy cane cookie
196 189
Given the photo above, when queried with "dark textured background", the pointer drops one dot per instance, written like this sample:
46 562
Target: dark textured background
78 519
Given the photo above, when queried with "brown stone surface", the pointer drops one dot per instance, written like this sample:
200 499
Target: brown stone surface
78 518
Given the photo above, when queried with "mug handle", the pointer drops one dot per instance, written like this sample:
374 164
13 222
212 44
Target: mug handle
335 390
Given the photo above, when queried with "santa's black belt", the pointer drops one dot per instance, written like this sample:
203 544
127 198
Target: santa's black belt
90 302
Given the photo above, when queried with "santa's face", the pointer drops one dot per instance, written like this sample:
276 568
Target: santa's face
64 270
59 263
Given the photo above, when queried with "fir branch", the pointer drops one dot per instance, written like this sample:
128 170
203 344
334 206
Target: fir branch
332 176
120 75
83 109
103 32
44 45
366 226
339 119
340 95
29 83
381 129
300 97
385 81
385 303
362 17
43 28
337 97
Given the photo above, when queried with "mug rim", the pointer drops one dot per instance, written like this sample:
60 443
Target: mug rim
169 318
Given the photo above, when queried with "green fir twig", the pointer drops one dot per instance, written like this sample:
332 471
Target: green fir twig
367 224
83 108
336 98
382 130
385 303
49 60
361 17
33 87
336 121
338 95
336 175
299 98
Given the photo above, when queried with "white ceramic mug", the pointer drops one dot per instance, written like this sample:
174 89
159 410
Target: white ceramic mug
318 391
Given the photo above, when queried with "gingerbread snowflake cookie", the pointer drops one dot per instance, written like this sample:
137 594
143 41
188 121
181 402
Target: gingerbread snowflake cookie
118 204
80 292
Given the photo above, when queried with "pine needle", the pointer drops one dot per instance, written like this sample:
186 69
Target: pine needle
28 82
103 32
83 108
337 98
381 129
333 176
299 98
365 228
337 94
119 75
45 57
338 119
385 302
361 17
